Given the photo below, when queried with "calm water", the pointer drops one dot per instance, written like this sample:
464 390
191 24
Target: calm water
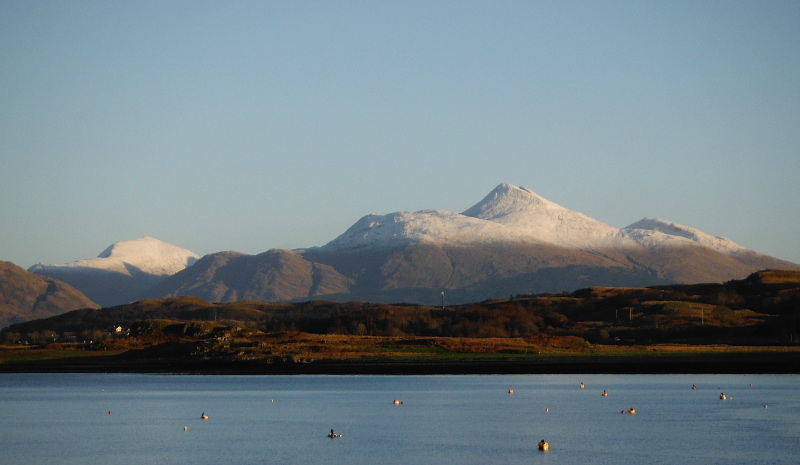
64 419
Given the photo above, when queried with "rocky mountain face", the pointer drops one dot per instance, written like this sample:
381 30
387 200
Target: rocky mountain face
511 242
26 296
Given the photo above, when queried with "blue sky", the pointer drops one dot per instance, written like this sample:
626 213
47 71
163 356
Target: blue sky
255 125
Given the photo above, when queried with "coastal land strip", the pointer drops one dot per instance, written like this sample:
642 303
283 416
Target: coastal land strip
692 362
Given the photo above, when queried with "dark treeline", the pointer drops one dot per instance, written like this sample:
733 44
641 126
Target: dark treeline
520 319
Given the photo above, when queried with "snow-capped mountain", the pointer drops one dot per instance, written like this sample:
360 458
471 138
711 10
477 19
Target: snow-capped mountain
514 241
511 214
144 255
123 270
511 242
507 214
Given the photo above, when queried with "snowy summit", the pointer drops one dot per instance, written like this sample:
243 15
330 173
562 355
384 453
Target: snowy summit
144 255
517 214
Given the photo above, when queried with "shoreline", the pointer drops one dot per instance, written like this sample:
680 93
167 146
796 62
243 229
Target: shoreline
724 363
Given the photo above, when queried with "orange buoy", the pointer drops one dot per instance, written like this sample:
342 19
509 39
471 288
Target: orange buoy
544 445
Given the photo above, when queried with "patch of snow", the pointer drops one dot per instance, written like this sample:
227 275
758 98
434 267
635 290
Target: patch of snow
648 230
408 227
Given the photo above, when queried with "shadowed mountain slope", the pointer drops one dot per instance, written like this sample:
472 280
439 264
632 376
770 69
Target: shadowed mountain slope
26 296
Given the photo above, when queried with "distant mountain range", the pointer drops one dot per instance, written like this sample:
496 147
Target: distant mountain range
511 242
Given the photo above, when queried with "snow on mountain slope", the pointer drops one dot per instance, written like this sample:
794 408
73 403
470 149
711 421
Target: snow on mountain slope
649 232
427 225
147 255
533 216
517 214
508 214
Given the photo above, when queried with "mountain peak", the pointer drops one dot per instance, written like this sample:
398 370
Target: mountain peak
143 245
533 215
146 254
507 214
508 199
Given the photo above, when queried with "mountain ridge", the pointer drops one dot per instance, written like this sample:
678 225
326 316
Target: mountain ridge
513 241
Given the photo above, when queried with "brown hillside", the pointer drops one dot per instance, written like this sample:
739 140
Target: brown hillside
27 296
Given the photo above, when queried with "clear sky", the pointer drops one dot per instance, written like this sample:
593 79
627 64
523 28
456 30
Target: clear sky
235 125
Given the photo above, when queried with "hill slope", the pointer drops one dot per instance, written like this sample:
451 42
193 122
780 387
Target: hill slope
26 296
275 275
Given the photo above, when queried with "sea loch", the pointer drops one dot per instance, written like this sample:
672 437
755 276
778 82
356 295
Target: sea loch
156 419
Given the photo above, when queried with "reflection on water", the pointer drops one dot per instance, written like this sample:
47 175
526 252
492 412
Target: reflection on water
141 419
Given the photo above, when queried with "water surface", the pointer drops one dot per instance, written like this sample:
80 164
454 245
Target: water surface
139 419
